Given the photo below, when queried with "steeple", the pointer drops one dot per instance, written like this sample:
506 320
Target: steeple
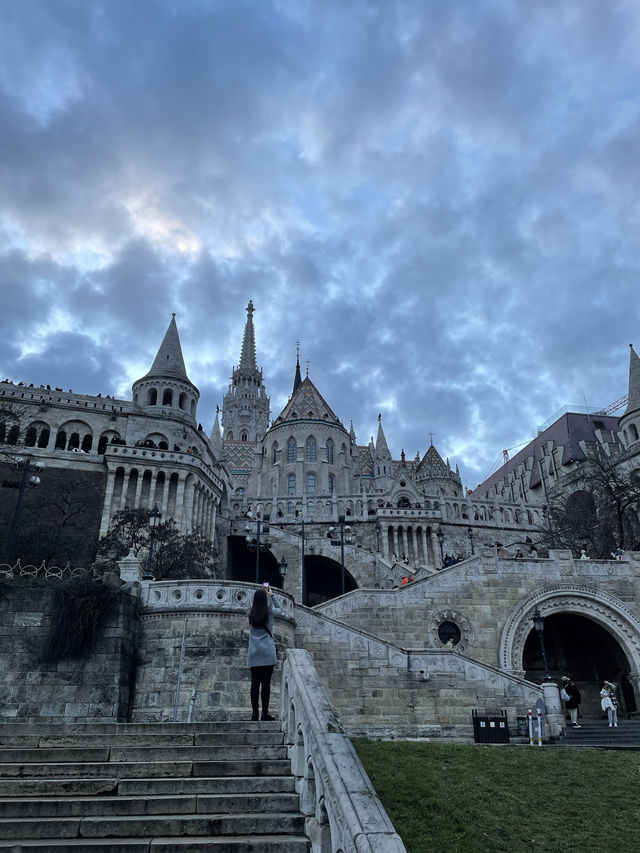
248 351
634 381
382 448
169 361
216 435
297 381
352 433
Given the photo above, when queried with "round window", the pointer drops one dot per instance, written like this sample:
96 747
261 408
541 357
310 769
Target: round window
449 633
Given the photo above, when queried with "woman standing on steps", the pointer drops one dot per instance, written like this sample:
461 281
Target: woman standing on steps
262 649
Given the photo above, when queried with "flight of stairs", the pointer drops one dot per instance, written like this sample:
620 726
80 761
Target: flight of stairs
148 787
597 733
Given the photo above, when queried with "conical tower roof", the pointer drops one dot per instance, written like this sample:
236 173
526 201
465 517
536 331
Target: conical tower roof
297 379
382 448
307 403
216 435
169 361
248 351
634 381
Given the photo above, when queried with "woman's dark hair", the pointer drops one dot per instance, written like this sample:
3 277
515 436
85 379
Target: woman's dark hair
259 613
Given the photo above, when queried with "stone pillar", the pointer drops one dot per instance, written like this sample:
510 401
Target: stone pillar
180 507
553 708
106 509
130 568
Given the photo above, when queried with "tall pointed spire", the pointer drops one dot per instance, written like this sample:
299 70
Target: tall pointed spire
634 381
381 442
297 381
169 360
216 435
352 433
248 351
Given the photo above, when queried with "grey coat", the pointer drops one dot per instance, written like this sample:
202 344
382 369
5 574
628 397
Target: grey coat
262 649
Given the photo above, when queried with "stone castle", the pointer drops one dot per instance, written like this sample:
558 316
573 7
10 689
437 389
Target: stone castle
342 527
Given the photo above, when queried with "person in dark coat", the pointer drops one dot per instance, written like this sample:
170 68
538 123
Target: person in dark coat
574 700
262 649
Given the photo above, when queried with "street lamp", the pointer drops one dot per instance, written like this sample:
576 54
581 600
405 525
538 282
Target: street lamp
254 543
538 624
470 533
33 480
282 566
154 520
440 535
343 529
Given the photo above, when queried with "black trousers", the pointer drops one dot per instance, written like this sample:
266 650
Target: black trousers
261 686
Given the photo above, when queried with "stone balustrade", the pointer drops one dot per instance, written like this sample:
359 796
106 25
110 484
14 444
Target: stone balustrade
337 798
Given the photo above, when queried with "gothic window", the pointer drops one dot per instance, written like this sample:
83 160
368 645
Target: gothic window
167 397
290 508
228 436
152 396
292 450
311 484
312 450
330 451
330 484
244 435
274 452
311 507
291 485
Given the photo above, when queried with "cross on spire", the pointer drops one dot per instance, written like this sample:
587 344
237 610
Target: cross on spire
431 437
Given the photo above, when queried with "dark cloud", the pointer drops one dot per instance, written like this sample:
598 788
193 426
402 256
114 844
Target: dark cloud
439 200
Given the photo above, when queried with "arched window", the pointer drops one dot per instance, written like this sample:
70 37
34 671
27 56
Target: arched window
244 435
311 484
30 439
163 445
182 402
292 450
330 484
633 432
330 448
291 485
87 443
311 449
152 396
344 448
74 441
61 440
290 508
43 441
274 452
14 434
102 444
167 397
240 492
311 508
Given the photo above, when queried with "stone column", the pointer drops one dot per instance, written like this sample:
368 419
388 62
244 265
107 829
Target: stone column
106 508
553 708
182 520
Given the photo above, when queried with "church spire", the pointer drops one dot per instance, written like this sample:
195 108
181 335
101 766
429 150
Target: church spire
169 361
248 351
297 381
382 449
634 381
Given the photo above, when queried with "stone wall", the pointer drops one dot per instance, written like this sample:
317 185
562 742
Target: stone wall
67 690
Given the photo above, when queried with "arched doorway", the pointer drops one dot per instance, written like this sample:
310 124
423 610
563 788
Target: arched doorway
586 651
323 579
241 563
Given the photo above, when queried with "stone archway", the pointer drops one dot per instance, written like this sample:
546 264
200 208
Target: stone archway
599 616
323 579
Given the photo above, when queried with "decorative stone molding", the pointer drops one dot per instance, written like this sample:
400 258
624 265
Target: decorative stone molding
617 617
205 595
466 631
342 810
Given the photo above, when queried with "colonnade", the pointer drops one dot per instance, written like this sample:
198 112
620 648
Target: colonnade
418 543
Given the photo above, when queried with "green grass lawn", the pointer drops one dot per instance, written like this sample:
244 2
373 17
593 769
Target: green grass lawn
450 797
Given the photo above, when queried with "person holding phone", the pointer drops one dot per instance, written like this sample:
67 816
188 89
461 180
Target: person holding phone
261 658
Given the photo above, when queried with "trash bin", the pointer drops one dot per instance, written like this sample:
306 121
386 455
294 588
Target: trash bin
490 729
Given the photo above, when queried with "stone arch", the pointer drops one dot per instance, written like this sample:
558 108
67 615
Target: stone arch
617 617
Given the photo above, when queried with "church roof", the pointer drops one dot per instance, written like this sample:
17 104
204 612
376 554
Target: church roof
432 465
169 361
634 381
307 403
239 456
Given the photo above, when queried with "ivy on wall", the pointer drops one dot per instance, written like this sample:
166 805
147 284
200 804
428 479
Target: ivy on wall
81 609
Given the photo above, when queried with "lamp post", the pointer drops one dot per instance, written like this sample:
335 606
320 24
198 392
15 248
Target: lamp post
33 480
254 543
282 566
538 624
344 528
378 528
470 533
154 520
440 535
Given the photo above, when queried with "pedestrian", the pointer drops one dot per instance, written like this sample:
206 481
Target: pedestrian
609 702
262 649
573 701
583 554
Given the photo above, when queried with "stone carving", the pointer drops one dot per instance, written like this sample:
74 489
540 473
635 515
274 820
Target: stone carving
459 619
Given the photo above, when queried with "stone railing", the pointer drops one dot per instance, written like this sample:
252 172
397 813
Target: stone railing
342 810
46 572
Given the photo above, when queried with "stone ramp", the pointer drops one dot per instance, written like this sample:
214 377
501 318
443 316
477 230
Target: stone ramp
153 787
597 734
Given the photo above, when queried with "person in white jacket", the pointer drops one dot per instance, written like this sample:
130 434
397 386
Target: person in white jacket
609 702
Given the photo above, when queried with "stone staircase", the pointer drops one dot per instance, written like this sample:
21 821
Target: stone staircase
148 787
596 733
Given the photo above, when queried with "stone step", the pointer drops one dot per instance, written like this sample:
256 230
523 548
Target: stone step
125 826
70 755
241 767
228 803
71 787
193 844
8 729
84 741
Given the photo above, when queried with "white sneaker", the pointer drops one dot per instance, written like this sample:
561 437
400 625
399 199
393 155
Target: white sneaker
610 724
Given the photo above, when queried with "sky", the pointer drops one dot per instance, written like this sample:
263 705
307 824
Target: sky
439 200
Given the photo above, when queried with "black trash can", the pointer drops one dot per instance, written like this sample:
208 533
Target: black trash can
490 729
